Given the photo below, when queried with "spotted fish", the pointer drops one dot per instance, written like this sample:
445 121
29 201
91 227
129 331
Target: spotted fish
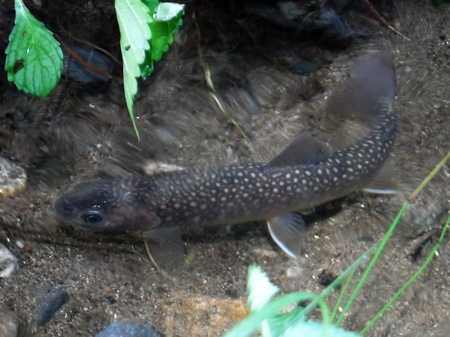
304 175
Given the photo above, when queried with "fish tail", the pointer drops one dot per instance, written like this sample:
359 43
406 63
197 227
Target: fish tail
369 90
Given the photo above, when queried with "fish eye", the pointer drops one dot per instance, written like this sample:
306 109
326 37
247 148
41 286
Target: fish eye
92 217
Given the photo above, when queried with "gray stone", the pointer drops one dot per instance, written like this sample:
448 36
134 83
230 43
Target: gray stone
8 262
120 329
8 323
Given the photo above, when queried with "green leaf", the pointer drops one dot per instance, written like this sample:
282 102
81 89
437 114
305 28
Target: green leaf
34 57
260 289
167 11
166 18
146 29
315 329
133 18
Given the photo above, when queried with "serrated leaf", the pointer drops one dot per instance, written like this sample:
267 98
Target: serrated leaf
162 32
167 11
133 18
151 4
260 289
164 26
34 57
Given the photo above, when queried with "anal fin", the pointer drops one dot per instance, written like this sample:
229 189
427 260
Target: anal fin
287 231
382 182
165 249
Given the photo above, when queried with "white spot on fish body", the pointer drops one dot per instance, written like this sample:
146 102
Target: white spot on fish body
276 175
308 173
288 176
319 171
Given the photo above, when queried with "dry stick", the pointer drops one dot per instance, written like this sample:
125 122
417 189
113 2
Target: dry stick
81 61
210 84
87 43
383 21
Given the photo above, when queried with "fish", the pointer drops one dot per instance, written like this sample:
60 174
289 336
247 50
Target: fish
306 174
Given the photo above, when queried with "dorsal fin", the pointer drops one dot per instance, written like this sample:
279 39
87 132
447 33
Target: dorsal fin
305 149
370 86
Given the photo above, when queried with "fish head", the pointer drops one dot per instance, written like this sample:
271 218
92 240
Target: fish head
104 205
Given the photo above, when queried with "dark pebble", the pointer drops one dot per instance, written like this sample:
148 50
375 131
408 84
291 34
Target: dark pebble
49 304
120 329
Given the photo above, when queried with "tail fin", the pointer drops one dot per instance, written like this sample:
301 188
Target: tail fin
372 84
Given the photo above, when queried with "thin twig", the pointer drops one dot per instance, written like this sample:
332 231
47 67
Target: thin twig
382 20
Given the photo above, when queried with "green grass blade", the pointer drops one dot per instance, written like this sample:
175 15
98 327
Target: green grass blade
343 291
372 262
253 321
337 282
34 57
411 280
388 235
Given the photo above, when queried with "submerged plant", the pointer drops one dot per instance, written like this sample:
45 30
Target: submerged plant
265 310
34 59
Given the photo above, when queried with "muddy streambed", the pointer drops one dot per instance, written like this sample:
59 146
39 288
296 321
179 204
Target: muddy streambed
273 83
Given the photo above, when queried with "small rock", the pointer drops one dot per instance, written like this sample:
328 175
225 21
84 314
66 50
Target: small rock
49 304
8 262
120 329
12 178
8 323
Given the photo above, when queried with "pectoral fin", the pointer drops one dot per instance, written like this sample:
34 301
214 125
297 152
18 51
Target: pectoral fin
165 249
287 231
